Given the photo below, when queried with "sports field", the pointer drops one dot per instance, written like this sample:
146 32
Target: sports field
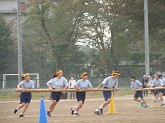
128 112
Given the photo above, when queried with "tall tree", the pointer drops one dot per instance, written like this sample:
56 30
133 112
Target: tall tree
106 28
51 28
6 43
134 9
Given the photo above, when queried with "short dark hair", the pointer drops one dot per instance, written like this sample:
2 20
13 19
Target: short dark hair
133 77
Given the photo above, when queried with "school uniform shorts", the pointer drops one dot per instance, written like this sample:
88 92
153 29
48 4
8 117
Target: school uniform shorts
56 96
81 96
25 97
138 94
107 95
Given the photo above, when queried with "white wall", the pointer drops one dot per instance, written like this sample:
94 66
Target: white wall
8 5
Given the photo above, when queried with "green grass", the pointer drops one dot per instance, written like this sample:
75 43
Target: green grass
9 94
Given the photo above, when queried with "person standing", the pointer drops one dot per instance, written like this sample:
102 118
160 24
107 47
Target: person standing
144 84
150 81
57 82
25 97
136 84
83 83
109 82
72 82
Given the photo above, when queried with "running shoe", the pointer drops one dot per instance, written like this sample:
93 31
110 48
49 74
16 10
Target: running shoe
72 111
101 110
48 113
145 106
97 112
163 104
15 111
21 116
76 114
142 103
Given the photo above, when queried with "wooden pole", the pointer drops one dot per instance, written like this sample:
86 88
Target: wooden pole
156 88
60 90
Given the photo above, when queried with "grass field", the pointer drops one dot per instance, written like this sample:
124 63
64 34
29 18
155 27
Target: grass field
128 111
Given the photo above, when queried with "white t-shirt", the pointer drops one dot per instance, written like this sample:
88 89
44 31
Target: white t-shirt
72 83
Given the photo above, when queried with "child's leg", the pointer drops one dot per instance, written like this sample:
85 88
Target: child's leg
20 106
144 101
80 104
52 105
137 100
107 97
164 98
25 108
105 103
163 102
161 96
156 94
137 95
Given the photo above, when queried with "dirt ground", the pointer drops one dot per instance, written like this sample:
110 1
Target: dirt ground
128 112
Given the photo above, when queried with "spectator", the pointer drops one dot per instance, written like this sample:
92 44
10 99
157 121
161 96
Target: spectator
144 84
72 82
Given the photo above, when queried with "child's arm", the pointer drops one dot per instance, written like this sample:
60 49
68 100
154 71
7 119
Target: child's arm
76 87
101 84
133 89
116 88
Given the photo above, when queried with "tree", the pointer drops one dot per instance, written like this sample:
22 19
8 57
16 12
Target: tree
134 10
50 33
6 46
105 27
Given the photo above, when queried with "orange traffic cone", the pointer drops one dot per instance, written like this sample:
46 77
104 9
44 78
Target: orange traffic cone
112 109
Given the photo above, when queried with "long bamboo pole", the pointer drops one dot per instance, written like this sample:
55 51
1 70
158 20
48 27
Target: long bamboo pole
60 90
156 88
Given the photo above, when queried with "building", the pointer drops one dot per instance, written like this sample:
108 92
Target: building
8 8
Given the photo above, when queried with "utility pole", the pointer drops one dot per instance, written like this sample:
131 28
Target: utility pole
19 41
147 66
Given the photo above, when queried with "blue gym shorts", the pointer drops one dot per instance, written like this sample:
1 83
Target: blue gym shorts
158 91
56 96
25 97
138 94
161 91
81 96
107 95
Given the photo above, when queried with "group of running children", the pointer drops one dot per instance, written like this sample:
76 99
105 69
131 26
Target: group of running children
156 81
60 82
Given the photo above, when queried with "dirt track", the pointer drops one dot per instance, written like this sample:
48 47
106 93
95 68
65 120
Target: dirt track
128 112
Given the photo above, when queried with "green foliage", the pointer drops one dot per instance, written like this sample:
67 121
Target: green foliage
161 63
50 38
113 29
134 10
5 45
